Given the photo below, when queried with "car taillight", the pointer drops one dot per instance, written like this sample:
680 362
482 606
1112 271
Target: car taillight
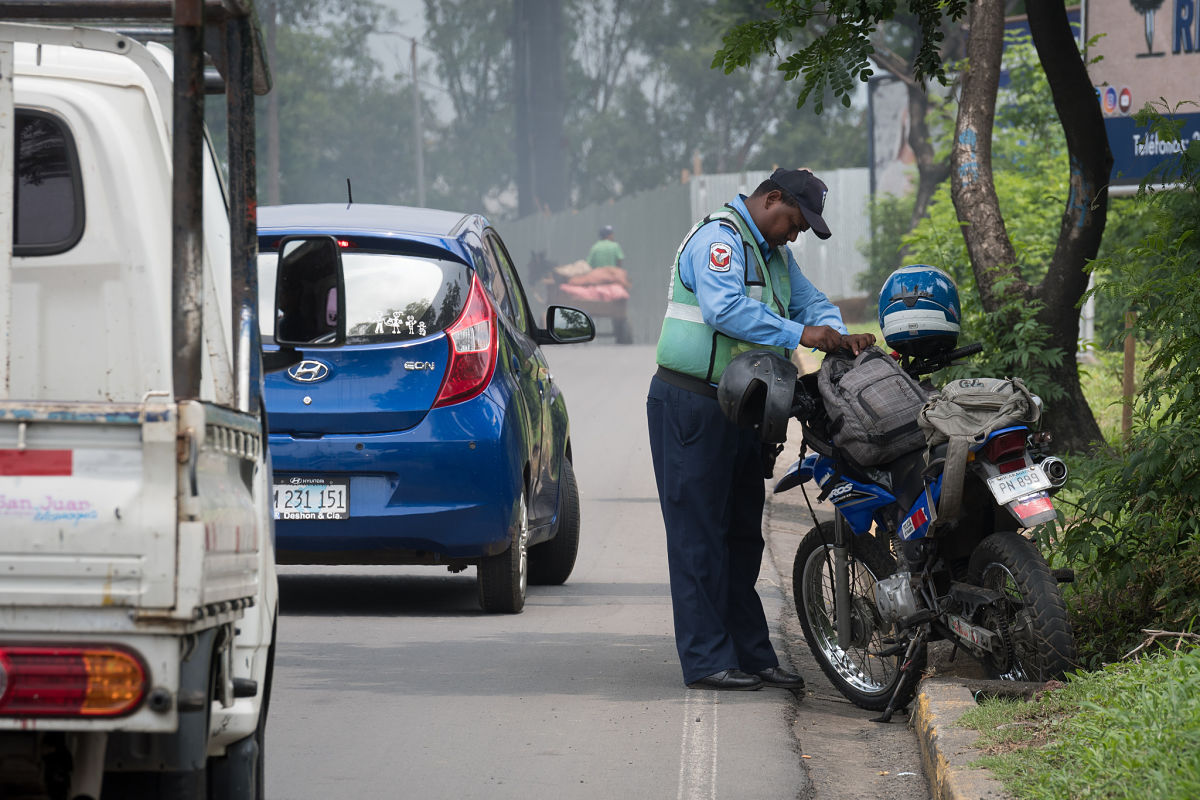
50 681
1007 451
472 350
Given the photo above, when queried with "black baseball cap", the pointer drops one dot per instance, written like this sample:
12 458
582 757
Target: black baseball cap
809 193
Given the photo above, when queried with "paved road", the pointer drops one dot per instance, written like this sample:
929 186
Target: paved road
391 683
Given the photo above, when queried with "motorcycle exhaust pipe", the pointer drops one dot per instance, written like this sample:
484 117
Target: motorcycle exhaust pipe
1055 469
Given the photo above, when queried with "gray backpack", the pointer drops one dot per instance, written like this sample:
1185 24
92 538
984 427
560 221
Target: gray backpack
872 406
964 412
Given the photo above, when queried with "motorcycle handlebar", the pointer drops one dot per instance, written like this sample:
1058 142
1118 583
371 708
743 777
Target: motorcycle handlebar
931 364
963 352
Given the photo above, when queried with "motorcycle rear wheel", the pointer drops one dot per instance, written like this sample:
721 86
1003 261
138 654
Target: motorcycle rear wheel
865 679
1034 615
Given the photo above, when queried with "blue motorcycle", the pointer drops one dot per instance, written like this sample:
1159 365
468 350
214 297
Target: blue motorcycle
886 576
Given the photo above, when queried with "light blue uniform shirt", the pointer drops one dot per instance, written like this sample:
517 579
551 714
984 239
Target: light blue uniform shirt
722 294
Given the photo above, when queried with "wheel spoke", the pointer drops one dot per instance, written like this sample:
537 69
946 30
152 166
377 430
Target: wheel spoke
855 664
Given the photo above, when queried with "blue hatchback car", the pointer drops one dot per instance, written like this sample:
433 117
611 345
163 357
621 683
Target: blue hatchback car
435 434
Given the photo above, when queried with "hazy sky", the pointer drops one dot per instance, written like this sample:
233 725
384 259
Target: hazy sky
392 50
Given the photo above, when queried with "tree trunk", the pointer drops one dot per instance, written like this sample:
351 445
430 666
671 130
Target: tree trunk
1083 218
971 186
930 170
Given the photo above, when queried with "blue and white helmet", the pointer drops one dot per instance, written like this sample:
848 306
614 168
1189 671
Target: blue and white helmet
919 312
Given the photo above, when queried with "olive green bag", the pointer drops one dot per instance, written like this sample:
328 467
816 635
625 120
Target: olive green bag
963 413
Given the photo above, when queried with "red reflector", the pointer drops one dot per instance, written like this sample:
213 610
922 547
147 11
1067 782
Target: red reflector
1034 505
35 462
47 681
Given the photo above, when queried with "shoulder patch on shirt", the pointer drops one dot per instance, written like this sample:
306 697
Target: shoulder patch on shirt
719 256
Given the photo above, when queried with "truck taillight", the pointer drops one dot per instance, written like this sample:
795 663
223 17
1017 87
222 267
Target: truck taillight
50 681
472 349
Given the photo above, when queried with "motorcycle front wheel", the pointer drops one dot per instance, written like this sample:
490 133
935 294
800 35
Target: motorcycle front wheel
858 671
1037 643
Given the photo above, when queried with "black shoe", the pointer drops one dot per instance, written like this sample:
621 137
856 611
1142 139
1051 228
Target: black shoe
781 678
730 679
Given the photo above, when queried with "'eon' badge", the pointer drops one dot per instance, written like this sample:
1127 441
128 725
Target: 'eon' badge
718 257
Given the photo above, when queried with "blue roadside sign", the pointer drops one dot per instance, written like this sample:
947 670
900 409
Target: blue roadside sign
1138 152
1139 52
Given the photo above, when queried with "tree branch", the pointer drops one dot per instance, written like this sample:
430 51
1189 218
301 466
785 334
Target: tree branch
895 64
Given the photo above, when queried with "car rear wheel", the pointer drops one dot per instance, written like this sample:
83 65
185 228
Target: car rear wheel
503 577
550 563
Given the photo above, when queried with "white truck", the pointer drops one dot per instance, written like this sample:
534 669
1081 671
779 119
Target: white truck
138 596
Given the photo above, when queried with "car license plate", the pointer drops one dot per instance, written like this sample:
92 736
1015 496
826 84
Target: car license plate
305 497
1011 485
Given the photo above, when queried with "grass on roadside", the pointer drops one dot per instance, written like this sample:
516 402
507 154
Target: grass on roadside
1130 730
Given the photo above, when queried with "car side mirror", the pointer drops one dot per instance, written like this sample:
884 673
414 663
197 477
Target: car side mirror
310 293
566 325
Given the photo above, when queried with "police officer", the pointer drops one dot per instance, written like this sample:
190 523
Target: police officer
734 287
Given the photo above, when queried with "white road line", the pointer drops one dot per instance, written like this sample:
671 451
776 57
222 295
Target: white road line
698 747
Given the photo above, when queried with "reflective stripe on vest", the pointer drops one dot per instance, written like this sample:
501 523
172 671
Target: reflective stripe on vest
690 346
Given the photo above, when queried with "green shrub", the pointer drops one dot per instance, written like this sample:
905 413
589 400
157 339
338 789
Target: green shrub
1129 223
1014 343
1134 536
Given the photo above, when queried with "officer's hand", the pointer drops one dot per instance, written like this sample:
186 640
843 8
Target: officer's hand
857 342
821 337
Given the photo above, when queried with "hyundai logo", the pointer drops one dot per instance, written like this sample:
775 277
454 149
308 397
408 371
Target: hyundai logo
309 372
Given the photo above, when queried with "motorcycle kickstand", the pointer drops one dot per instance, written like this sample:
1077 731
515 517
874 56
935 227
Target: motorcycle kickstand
906 673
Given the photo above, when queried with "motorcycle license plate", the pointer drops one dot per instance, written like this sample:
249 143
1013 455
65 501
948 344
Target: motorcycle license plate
1011 485
312 498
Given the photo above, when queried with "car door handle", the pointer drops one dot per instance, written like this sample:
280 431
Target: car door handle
516 363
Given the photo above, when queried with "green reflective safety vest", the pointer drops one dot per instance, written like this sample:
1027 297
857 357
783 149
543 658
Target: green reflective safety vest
687 344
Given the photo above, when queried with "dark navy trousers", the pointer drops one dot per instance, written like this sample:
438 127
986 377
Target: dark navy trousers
710 487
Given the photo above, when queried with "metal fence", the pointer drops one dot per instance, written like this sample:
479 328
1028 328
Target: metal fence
651 225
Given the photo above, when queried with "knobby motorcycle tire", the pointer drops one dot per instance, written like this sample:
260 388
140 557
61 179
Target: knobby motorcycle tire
856 686
1042 641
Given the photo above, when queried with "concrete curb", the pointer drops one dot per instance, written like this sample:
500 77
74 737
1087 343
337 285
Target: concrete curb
947 749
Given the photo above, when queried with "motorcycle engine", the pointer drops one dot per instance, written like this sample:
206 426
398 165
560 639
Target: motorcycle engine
894 597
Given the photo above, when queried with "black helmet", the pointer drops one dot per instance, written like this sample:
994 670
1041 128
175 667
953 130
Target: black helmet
756 391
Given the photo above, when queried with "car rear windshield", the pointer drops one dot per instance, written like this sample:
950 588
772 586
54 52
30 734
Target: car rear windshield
389 297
